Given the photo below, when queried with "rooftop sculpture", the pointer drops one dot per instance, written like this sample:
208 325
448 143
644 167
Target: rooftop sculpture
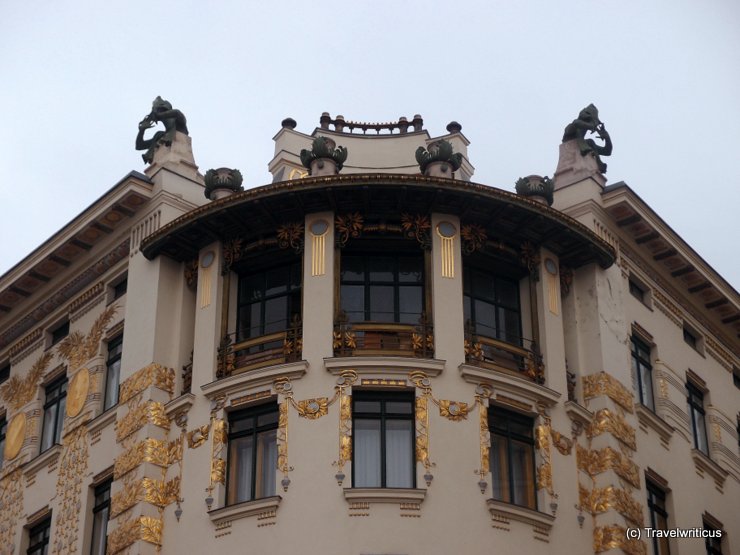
173 120
588 121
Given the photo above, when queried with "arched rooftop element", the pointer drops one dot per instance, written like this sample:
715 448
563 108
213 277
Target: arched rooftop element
506 216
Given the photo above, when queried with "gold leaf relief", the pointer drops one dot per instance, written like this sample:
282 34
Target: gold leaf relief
602 383
198 436
72 470
606 421
19 391
218 471
150 412
313 408
282 438
563 444
453 410
77 349
154 374
594 462
11 505
422 431
485 439
613 537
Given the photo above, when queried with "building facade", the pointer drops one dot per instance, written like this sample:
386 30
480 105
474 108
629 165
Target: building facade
372 354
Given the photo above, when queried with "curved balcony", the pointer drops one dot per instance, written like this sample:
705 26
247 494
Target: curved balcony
495 354
383 339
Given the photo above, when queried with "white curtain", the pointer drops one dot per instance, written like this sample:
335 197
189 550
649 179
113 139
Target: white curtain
399 453
267 453
366 461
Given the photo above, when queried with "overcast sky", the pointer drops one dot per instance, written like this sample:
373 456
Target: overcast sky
77 77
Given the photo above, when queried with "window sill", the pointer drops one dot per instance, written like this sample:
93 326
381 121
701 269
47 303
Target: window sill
408 500
706 465
179 405
262 377
521 393
384 365
47 458
263 508
503 513
648 419
102 421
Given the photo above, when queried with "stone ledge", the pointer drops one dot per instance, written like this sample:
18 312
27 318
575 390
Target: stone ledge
704 464
102 421
523 389
384 495
32 467
254 378
648 419
245 509
384 366
502 513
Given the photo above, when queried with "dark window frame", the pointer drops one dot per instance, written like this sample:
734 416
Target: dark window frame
657 508
691 338
367 257
4 373
39 545
101 502
712 545
292 291
254 431
59 332
113 365
497 414
56 396
637 291
695 400
3 433
384 397
641 365
120 288
470 296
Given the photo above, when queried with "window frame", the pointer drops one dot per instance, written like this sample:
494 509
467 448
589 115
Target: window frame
41 546
292 265
367 256
695 400
640 364
384 397
4 372
113 366
255 431
58 387
656 494
3 433
58 332
712 549
497 413
468 292
99 506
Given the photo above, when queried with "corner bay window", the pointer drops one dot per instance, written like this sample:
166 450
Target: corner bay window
252 461
379 288
696 415
54 409
383 439
491 305
642 372
512 457
268 301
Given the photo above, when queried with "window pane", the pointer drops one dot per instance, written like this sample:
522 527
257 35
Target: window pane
381 268
353 302
352 269
485 318
100 529
111 384
251 287
701 433
410 269
509 325
507 293
399 407
267 463
276 315
483 286
276 281
366 461
381 303
409 304
241 424
647 388
47 437
240 469
399 465
522 473
499 468
61 409
367 406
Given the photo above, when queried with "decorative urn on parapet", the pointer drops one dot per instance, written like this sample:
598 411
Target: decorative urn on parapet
537 188
222 182
324 158
438 160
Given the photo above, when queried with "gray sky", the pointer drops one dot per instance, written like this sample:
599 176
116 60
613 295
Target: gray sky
78 76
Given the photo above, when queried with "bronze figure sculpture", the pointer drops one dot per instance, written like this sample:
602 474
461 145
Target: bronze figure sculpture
173 120
588 120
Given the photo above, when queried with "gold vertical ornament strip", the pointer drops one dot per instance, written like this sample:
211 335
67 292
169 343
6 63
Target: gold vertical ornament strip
318 255
448 257
11 504
485 439
422 431
542 442
72 470
553 292
206 286
218 464
282 438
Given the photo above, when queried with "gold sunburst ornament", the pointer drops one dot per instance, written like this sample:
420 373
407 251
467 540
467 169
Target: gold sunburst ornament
77 392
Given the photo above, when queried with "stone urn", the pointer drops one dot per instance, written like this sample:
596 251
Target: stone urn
438 159
222 182
536 188
324 158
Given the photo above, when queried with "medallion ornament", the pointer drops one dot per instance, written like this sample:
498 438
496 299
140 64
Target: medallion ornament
79 386
14 436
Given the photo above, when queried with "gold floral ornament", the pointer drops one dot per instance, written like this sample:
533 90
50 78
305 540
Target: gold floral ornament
344 382
77 349
563 444
18 391
529 256
232 254
602 383
313 408
453 410
417 227
473 236
290 235
348 226
473 350
198 436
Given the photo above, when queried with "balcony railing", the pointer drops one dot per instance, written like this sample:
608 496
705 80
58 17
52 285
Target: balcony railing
496 354
386 339
257 352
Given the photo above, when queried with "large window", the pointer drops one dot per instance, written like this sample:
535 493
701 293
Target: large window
56 401
642 373
696 414
4 372
376 287
60 332
38 538
383 439
3 431
512 457
492 305
113 371
658 517
713 541
252 453
101 513
268 300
